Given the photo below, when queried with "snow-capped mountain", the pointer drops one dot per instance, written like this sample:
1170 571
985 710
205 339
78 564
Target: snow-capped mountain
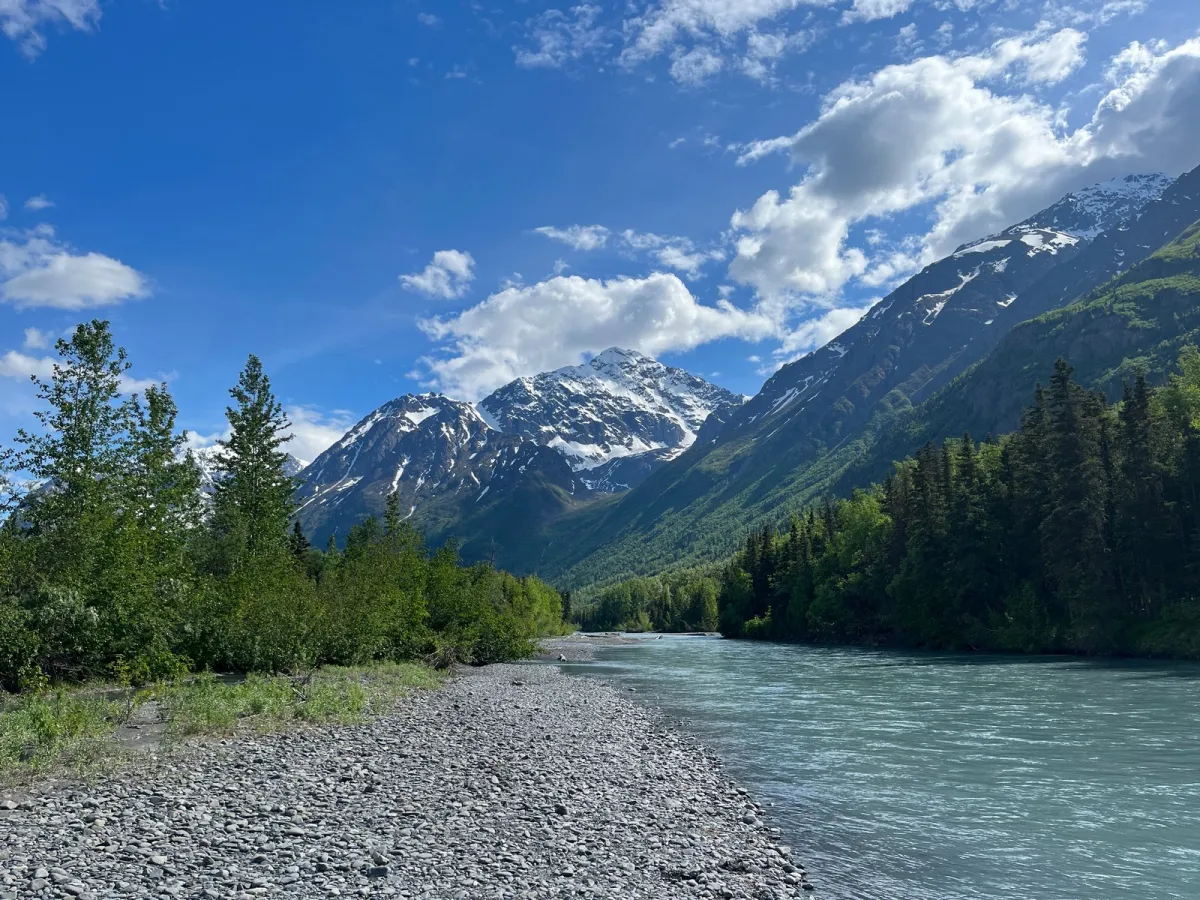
820 418
208 460
438 454
946 316
601 427
1089 212
618 405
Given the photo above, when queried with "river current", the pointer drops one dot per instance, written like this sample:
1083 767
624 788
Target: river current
906 776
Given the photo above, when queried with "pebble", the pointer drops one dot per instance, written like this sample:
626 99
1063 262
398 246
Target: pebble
512 781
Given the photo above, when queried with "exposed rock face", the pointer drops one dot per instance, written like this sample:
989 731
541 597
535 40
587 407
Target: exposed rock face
438 454
619 404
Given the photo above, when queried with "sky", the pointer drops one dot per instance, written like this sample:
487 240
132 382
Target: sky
399 196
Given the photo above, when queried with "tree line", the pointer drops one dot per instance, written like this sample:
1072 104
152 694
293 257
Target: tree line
114 562
675 601
1078 533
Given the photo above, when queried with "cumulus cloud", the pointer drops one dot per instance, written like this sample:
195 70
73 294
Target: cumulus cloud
22 366
24 21
36 339
554 323
448 276
578 237
429 20
314 431
678 253
15 364
36 269
38 203
870 10
556 38
936 135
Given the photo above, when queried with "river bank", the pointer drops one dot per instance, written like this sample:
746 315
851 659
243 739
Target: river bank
511 781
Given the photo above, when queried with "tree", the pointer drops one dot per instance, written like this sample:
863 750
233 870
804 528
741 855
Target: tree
254 498
1073 532
298 544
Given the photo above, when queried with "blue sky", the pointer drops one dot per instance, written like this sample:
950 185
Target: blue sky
386 197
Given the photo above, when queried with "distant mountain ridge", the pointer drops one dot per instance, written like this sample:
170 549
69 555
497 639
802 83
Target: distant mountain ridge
556 439
815 417
619 404
644 467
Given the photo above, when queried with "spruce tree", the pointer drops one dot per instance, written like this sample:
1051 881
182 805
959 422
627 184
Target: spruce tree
254 498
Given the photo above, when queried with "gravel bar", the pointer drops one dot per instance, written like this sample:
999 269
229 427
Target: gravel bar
511 781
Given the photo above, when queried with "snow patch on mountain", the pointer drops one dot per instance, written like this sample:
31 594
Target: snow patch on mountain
618 404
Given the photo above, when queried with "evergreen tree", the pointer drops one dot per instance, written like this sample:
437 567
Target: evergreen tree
254 498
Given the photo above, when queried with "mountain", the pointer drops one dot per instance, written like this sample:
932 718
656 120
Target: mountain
823 413
438 454
208 460
1090 212
619 405
532 450
1138 321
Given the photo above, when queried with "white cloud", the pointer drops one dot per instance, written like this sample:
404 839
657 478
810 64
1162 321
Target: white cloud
578 237
22 366
765 50
696 66
663 25
558 38
3 208
313 431
870 10
36 339
38 203
15 364
557 322
429 20
935 135
449 275
23 20
678 253
38 270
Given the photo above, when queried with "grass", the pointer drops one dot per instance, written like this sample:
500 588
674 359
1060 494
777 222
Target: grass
76 731
334 695
58 731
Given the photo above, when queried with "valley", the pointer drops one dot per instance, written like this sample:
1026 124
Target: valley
625 467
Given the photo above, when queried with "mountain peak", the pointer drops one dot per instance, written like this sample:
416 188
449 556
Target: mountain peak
1089 211
620 403
617 355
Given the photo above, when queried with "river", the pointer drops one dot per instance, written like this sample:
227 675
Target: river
908 776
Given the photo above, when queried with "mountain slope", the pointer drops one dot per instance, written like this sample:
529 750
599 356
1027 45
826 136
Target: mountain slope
1139 321
439 455
489 474
819 415
617 406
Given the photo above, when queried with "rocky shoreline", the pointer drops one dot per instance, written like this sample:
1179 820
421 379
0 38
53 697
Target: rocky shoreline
513 781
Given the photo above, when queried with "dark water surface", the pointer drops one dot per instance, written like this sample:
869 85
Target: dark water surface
903 776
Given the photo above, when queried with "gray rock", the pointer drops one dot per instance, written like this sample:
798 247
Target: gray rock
556 786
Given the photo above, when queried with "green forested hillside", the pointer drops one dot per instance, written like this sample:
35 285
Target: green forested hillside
1078 533
1139 321
699 507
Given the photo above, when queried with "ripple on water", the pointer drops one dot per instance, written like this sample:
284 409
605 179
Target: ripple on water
941 777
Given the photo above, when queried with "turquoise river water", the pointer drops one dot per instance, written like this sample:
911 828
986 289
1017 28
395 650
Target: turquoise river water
906 776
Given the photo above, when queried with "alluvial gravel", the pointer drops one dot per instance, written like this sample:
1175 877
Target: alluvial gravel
510 782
